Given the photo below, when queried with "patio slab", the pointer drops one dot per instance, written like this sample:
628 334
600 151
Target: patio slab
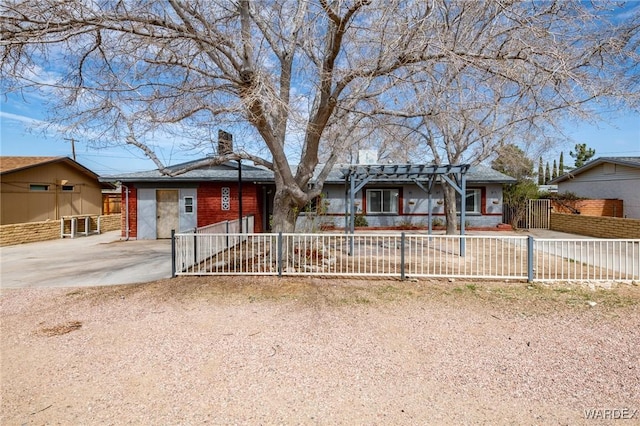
94 260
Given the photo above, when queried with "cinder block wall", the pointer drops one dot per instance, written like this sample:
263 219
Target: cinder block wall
31 232
18 233
595 226
111 222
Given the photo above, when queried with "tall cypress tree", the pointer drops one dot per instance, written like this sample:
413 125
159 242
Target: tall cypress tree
540 172
547 174
555 170
561 166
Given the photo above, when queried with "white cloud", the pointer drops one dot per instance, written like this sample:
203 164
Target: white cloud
21 118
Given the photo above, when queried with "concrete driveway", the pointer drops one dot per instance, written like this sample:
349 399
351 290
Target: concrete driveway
102 259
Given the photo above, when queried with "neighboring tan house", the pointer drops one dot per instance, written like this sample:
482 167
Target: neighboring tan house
606 178
36 189
153 204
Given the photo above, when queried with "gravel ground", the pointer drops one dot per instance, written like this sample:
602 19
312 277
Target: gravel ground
313 351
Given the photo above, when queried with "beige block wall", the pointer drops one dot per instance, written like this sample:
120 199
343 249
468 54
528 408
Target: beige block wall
19 233
594 226
110 222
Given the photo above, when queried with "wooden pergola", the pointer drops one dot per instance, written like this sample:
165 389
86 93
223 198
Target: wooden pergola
356 176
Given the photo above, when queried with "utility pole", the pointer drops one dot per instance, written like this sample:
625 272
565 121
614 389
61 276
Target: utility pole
73 147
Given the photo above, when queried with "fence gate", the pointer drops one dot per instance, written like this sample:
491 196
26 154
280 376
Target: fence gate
538 214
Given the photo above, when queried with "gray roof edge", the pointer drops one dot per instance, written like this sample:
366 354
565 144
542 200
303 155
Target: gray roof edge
475 174
133 179
623 161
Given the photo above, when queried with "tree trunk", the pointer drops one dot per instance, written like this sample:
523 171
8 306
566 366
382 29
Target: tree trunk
285 212
450 208
519 212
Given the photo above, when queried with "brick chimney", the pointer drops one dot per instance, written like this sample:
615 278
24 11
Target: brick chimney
225 142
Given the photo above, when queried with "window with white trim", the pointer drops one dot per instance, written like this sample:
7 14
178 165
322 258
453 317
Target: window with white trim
188 204
474 198
382 201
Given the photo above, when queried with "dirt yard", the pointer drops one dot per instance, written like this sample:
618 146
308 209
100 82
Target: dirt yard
314 351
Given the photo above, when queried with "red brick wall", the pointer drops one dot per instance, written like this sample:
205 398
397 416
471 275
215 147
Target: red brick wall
133 210
608 207
210 203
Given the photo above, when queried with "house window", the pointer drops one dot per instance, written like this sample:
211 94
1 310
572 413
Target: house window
311 207
317 205
67 188
474 197
38 188
188 204
382 201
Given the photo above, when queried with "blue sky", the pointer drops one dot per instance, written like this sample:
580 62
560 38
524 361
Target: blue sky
19 135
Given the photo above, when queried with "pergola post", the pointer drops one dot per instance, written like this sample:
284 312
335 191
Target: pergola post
346 204
352 221
463 213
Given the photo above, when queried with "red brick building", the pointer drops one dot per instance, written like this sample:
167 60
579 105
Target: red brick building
154 204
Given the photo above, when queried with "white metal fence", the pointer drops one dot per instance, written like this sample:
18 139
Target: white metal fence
229 226
590 260
209 240
407 255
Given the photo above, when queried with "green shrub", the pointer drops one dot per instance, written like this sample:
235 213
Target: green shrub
360 220
437 222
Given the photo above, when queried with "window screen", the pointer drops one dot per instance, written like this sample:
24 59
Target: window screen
382 201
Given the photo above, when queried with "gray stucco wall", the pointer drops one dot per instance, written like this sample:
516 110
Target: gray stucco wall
414 209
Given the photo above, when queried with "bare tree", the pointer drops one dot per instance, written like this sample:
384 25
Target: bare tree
514 72
295 71
304 77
